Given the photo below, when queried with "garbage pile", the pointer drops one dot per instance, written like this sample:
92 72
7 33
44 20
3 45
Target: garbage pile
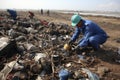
32 49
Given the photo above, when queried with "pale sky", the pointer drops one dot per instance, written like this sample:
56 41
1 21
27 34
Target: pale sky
92 5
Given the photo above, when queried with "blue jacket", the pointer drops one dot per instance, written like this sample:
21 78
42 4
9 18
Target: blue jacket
88 29
13 13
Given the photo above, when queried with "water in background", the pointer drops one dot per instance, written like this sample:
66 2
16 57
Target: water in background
112 14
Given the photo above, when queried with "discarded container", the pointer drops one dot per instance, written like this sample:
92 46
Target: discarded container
63 74
67 47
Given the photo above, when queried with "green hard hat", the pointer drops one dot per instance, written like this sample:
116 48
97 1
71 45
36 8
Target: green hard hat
75 19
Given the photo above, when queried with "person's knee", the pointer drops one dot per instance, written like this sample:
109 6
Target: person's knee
94 43
92 40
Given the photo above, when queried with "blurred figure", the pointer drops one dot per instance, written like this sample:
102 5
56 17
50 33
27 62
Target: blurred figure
13 13
48 12
31 14
42 11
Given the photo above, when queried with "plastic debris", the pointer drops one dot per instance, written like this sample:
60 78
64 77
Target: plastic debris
38 41
38 56
91 76
63 74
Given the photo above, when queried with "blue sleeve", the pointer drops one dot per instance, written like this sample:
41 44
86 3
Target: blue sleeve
88 33
76 34
12 12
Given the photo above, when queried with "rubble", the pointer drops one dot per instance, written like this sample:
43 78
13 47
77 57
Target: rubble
7 48
102 71
117 40
37 49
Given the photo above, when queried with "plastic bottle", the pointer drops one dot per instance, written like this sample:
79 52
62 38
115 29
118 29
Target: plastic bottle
63 74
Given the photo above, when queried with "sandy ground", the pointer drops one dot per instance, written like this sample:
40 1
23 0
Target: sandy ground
106 57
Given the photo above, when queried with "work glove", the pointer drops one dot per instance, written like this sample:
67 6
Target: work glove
70 42
77 47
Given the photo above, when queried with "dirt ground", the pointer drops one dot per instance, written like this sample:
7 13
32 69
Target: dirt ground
108 56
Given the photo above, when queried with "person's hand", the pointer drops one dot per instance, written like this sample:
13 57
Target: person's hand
77 47
70 42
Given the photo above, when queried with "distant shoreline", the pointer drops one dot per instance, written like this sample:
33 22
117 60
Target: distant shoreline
83 13
104 14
